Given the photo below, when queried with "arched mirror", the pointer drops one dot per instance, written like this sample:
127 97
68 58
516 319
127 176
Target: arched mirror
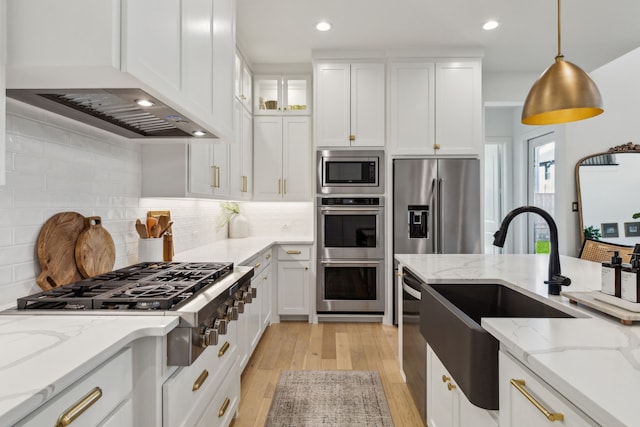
607 190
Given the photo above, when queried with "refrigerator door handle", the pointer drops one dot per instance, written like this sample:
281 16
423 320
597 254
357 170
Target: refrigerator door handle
440 216
435 219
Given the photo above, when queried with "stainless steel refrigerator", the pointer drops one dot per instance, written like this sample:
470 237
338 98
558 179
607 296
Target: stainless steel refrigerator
436 208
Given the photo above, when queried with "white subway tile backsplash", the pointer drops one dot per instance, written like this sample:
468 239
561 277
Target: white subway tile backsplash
56 165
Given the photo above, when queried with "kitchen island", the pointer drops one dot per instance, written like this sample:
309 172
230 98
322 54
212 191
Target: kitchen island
592 360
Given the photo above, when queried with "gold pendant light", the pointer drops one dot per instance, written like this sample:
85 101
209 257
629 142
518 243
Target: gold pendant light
563 93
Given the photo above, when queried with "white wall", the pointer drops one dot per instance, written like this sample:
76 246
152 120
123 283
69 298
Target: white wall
55 165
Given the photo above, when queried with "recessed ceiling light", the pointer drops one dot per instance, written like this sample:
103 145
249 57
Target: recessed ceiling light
144 102
323 26
198 133
490 25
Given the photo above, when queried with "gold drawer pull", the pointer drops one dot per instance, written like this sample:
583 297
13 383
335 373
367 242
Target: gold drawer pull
224 349
445 378
293 252
224 407
551 416
268 256
257 265
352 137
451 386
201 379
79 407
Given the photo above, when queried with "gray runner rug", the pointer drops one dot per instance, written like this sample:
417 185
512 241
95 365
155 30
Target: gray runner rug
329 398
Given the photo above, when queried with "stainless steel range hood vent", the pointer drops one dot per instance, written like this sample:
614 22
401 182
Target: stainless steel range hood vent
114 110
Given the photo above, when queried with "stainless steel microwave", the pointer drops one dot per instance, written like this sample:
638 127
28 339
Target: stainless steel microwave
350 171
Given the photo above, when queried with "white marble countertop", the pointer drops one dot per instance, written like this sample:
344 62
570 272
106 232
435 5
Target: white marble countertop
238 251
593 360
42 354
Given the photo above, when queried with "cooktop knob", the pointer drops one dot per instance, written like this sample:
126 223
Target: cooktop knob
254 292
239 305
209 337
232 313
247 297
220 325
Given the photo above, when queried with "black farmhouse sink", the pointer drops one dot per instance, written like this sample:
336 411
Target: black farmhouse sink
450 322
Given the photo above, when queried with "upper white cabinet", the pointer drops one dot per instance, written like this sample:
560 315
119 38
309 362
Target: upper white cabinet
435 107
241 154
412 107
185 170
350 104
243 82
282 158
282 94
180 51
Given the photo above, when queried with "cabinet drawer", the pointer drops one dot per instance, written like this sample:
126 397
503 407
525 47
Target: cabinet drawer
517 407
100 392
186 393
260 261
294 253
221 409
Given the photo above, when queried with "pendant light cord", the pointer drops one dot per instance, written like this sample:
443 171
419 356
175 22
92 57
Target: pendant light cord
560 55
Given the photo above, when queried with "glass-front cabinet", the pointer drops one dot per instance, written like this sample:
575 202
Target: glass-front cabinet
278 94
243 82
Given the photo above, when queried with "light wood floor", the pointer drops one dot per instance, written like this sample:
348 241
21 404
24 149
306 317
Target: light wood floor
325 346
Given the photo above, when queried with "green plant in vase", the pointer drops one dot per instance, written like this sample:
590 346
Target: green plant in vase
592 233
227 211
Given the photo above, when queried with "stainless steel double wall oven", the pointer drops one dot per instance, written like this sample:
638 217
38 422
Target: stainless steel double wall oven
350 232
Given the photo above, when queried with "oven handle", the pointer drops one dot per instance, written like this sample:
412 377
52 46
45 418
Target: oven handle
350 262
352 210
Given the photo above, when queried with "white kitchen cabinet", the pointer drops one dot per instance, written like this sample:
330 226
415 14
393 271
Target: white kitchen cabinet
188 393
519 410
185 170
458 108
350 104
101 392
282 94
447 406
243 83
208 169
267 297
3 114
241 154
435 107
294 280
179 51
412 107
282 158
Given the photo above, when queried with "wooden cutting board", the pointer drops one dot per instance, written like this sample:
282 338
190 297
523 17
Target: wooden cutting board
95 252
56 250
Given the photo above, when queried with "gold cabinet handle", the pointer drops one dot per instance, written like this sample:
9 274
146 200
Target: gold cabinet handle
200 380
224 407
293 252
285 187
268 256
79 407
257 265
306 268
244 184
217 176
352 137
279 183
445 378
451 386
213 177
551 416
436 146
224 349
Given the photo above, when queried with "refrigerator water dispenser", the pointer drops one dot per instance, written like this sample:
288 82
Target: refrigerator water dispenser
418 217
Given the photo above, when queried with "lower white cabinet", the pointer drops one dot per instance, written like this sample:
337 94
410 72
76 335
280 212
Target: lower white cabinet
447 406
188 393
266 296
102 396
293 280
221 409
527 401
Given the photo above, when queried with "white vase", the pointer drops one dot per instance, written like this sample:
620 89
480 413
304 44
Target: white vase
238 227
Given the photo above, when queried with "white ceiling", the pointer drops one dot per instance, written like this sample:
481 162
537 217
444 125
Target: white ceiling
593 31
